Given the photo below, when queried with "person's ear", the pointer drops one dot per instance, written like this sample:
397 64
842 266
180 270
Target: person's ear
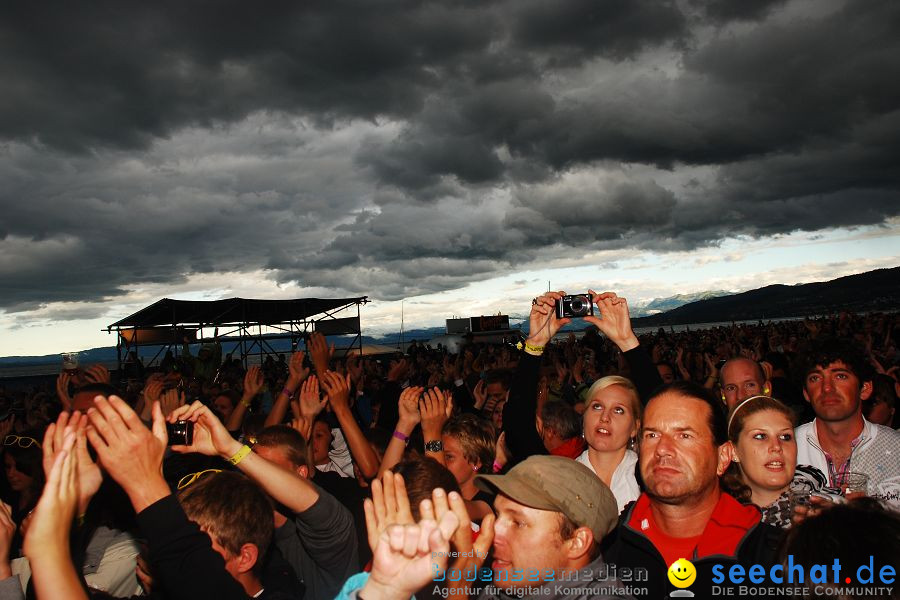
247 558
767 388
579 544
866 390
303 471
726 454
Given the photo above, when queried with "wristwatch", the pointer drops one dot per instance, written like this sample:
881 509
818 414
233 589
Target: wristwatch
434 446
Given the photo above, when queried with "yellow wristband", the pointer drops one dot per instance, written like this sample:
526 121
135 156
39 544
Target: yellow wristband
532 349
241 454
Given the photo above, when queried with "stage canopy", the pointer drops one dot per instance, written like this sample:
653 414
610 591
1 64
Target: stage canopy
252 325
168 312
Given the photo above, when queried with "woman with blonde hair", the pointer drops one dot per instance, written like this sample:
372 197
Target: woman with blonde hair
612 419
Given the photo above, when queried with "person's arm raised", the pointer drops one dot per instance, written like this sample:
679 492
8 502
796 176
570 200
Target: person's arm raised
47 541
253 383
337 388
615 323
408 407
212 439
297 375
614 320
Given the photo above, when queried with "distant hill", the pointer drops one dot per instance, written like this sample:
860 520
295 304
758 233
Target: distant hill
659 305
873 291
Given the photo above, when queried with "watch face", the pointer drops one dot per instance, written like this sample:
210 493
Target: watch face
434 446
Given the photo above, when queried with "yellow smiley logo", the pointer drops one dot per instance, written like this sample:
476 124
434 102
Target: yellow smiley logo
682 573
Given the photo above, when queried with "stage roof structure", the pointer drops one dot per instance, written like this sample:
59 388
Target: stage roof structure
167 312
249 323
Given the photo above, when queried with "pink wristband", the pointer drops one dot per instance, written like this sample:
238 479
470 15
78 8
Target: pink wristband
402 437
287 392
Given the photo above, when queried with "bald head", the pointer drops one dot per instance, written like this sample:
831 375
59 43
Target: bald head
741 378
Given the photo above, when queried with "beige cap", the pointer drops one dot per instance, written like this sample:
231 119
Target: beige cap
559 484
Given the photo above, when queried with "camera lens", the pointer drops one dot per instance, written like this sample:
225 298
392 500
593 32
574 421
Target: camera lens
577 305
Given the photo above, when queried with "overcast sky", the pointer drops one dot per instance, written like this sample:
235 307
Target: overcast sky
456 154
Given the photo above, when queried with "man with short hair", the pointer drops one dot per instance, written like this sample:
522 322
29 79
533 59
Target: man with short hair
837 378
320 543
236 515
741 378
683 513
561 429
552 515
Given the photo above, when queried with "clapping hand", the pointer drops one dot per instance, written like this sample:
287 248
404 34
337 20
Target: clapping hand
89 477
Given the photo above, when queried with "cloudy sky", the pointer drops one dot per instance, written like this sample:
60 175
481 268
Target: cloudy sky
457 154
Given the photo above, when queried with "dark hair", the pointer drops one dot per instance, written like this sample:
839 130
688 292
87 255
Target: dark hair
233 396
718 424
824 352
562 419
476 438
233 509
851 533
501 376
422 475
29 461
289 440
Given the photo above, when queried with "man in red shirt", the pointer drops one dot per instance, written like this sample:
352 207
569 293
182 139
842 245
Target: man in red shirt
683 513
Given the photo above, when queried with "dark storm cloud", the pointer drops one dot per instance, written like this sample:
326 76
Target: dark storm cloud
400 147
748 10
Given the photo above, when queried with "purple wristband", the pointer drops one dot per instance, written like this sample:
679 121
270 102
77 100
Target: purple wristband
402 437
287 392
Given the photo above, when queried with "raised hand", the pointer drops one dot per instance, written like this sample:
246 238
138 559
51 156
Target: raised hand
297 372
319 352
89 476
480 394
253 382
153 390
354 368
470 555
309 404
408 407
171 400
303 426
53 515
398 371
614 321
337 387
542 322
47 540
210 435
97 374
389 506
435 407
7 532
62 390
130 453
405 557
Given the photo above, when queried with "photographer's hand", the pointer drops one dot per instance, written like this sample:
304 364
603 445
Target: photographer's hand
542 322
614 321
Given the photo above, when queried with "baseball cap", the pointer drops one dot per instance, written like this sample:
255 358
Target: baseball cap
559 484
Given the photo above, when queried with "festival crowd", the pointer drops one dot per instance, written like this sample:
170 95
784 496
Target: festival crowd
563 467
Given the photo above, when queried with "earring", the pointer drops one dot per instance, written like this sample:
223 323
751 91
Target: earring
474 469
